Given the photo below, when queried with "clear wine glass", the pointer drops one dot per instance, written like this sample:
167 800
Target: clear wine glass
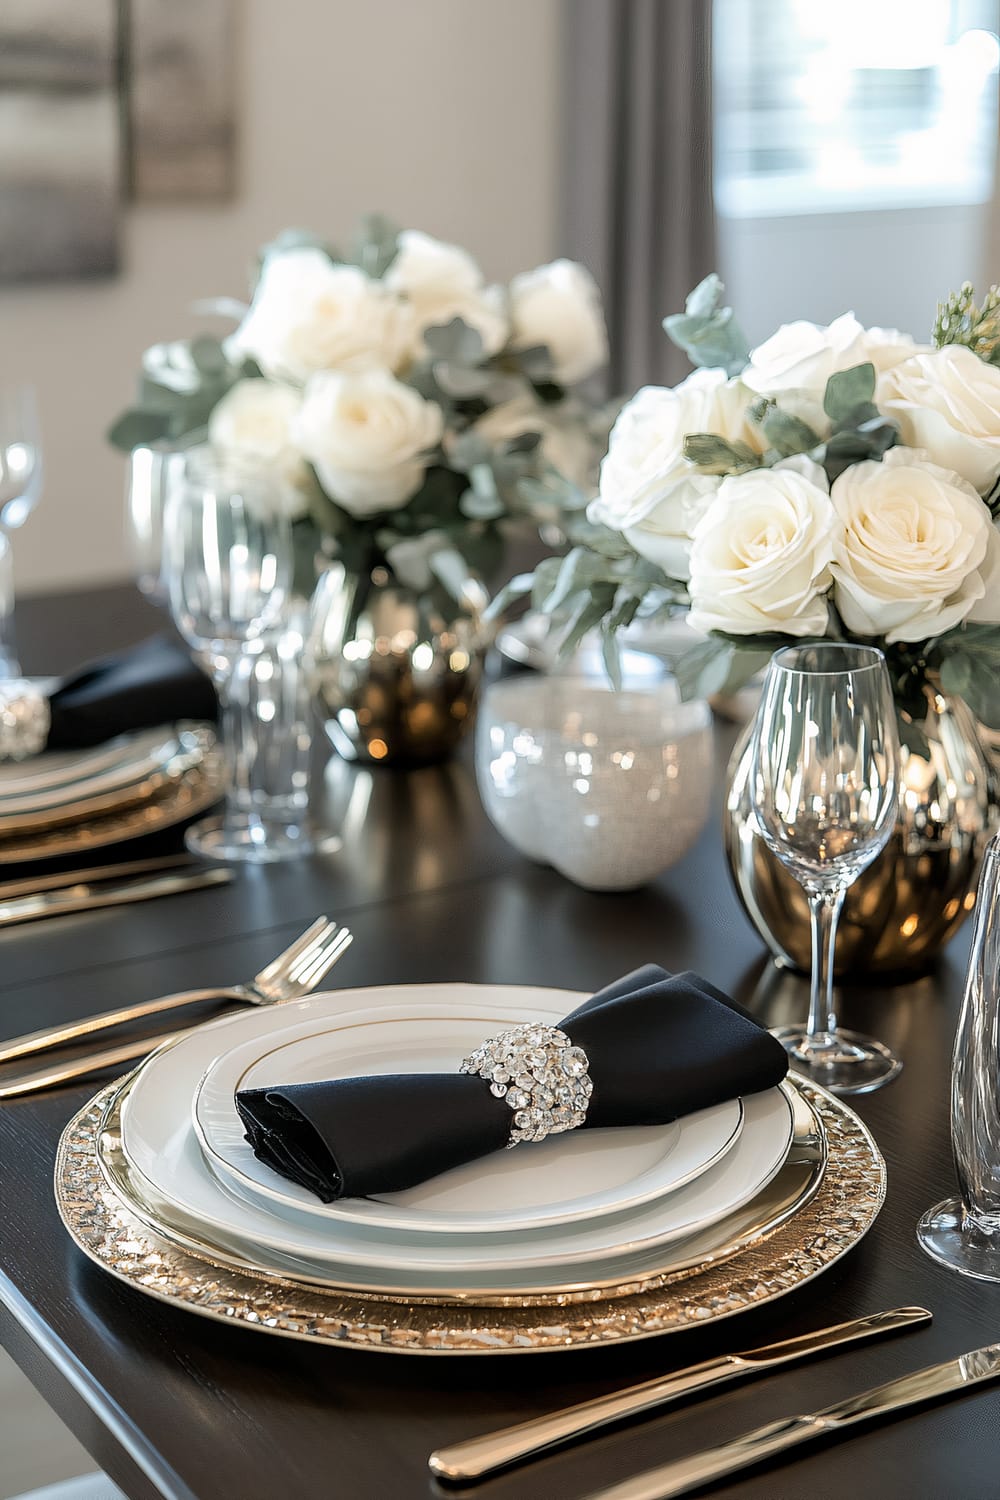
824 784
152 471
964 1232
228 569
20 482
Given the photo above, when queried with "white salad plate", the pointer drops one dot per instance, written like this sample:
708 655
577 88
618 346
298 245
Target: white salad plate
566 1179
160 1145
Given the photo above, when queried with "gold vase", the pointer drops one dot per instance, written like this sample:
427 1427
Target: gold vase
396 673
902 910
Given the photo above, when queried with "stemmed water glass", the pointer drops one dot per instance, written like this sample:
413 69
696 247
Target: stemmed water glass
824 786
20 487
228 569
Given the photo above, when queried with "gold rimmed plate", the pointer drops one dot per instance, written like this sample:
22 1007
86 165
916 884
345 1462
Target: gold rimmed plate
195 785
831 1219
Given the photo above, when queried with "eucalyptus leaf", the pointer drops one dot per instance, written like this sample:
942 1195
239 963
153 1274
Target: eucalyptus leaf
481 507
375 245
975 679
455 342
717 455
787 435
137 428
611 652
461 382
847 390
708 333
513 590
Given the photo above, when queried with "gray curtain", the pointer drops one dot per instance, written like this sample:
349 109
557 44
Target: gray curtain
637 168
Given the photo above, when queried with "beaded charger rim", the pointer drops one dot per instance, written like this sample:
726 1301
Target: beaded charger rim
830 1224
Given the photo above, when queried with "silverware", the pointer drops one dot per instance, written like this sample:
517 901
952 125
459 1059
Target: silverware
496 1450
934 1382
33 884
94 896
291 975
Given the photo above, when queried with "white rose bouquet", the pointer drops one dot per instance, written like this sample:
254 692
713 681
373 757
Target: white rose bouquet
839 482
402 407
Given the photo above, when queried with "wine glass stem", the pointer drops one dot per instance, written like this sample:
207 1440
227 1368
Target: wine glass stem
232 733
824 909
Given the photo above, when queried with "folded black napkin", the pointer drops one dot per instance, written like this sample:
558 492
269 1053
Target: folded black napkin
153 683
659 1046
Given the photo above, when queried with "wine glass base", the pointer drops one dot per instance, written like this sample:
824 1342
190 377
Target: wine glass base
847 1064
948 1237
256 840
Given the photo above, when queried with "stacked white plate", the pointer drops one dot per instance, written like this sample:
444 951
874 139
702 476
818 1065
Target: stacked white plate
586 1209
65 801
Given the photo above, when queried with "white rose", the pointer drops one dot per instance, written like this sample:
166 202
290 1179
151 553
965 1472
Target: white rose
917 551
559 306
308 314
565 443
802 356
761 556
948 401
441 282
368 437
886 347
253 420
648 490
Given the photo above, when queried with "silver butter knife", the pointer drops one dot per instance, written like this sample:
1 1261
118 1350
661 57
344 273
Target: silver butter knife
496 1450
91 897
934 1383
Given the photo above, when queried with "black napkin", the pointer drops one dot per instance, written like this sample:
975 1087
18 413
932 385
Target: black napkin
659 1046
153 683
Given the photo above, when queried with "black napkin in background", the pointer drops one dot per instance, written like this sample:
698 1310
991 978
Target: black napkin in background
660 1046
150 684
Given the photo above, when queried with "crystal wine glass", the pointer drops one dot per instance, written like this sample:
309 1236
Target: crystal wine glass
824 785
228 569
152 471
964 1232
20 476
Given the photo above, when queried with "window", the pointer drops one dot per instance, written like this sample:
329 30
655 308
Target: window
853 105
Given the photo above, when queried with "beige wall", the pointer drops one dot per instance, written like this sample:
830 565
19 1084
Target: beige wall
441 113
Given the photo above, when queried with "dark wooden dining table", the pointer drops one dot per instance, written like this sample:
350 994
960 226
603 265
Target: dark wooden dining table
173 1405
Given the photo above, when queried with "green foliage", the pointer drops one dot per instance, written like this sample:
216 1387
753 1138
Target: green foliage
968 660
180 385
786 434
720 665
708 333
375 245
713 454
960 320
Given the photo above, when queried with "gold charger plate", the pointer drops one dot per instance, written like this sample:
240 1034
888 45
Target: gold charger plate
786 1193
196 786
831 1223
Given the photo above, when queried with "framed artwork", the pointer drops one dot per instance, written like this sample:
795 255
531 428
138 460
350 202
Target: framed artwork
60 140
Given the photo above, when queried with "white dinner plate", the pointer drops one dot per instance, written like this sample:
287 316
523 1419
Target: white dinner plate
59 776
565 1179
160 1143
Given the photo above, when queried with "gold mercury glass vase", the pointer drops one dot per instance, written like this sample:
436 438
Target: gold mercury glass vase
902 910
396 673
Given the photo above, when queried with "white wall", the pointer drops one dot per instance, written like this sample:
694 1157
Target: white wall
891 268
441 113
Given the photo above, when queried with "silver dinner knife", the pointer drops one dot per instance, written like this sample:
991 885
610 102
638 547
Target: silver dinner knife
930 1384
496 1450
84 896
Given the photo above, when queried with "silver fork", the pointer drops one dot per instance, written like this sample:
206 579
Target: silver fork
294 973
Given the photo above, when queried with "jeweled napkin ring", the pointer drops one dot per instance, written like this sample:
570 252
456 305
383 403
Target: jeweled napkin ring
544 1078
25 719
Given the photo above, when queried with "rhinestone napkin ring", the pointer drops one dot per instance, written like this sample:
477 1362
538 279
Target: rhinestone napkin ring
24 719
543 1077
